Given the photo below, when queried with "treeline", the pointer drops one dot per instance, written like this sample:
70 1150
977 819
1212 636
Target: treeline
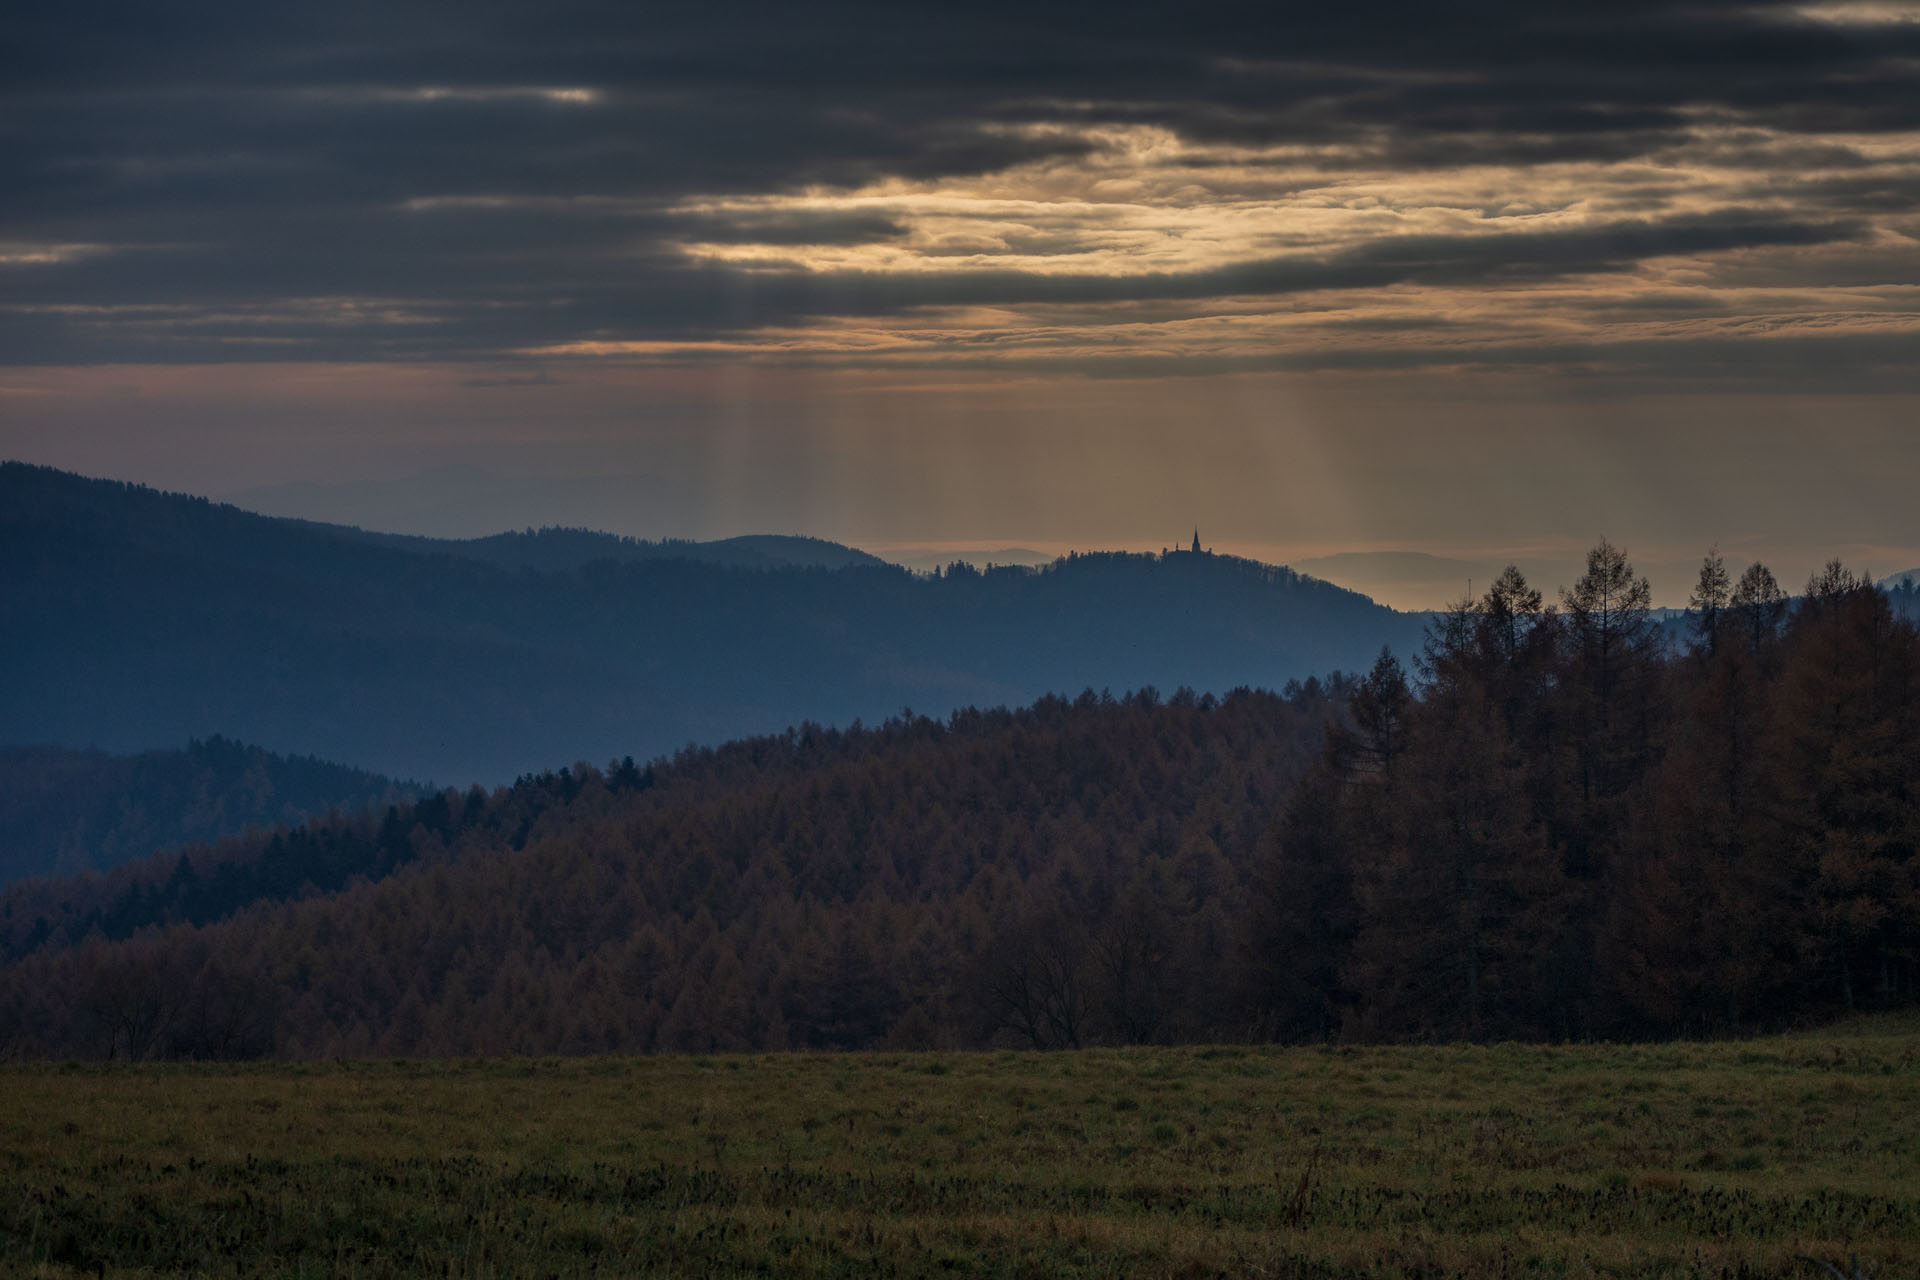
1573 829
1068 873
65 811
1903 593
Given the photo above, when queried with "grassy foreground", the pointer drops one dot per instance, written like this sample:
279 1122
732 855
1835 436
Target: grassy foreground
1682 1160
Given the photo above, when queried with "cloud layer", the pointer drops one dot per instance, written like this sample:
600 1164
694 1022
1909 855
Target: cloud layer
1676 194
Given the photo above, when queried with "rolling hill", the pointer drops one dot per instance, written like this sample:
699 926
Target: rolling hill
136 619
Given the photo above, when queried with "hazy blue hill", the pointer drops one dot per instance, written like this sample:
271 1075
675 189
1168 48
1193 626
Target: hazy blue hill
64 811
134 619
554 550
795 552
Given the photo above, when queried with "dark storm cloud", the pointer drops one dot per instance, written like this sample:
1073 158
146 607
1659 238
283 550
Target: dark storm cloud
1894 193
660 298
792 227
218 181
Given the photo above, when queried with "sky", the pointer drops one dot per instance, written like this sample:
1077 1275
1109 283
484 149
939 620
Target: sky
1342 285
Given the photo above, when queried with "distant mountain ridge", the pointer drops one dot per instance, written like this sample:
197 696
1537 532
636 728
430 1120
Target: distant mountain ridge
556 549
932 561
137 619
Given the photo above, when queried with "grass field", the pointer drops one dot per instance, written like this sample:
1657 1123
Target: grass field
1681 1160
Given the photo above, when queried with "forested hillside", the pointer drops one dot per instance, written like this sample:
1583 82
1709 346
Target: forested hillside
1569 819
1065 874
136 619
64 811
1562 827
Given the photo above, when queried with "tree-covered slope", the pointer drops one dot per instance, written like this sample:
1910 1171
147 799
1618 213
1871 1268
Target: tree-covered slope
64 811
1066 873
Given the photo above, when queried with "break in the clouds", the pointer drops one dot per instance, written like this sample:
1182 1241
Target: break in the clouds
1646 188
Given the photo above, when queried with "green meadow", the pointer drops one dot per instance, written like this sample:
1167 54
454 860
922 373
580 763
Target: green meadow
1721 1159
